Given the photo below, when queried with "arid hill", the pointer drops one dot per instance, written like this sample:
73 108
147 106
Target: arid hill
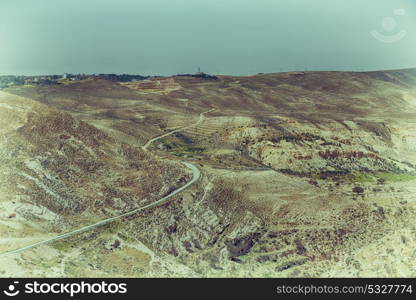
304 173
59 173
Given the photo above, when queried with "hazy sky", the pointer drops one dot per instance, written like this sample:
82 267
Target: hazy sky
221 36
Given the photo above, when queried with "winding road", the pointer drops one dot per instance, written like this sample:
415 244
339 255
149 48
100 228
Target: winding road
201 118
196 174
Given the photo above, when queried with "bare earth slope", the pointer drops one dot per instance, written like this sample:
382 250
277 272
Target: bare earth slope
304 173
59 173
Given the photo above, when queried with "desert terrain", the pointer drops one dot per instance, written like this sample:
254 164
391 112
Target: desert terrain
303 174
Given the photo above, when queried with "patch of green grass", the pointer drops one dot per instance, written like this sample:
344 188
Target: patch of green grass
193 149
184 149
396 177
363 177
356 177
248 256
61 245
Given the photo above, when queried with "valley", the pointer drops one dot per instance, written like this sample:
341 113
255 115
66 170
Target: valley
303 174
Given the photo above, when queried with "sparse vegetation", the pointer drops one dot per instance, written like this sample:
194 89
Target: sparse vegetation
296 175
391 177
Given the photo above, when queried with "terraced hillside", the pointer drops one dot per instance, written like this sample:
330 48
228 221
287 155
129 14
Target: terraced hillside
304 173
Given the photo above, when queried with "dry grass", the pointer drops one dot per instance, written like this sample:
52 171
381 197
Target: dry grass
226 195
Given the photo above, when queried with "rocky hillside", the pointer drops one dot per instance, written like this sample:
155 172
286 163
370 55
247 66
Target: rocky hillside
71 170
303 173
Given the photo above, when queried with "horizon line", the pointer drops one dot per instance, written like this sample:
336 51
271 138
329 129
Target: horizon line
218 74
